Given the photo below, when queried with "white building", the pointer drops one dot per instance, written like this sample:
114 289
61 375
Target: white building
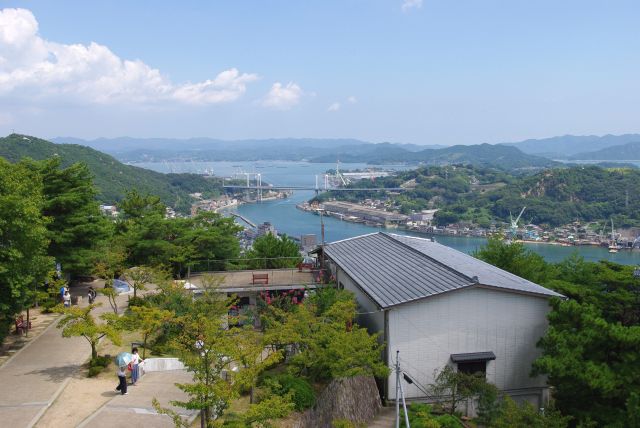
438 307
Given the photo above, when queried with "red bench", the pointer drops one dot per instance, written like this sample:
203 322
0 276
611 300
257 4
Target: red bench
21 325
261 278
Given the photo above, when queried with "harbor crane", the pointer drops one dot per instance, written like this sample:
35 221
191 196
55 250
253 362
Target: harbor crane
514 223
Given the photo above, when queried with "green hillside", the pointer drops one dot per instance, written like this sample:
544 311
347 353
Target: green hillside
480 195
112 178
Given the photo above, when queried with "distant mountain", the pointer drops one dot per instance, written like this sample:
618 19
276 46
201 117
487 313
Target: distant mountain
624 152
569 145
112 178
128 149
499 156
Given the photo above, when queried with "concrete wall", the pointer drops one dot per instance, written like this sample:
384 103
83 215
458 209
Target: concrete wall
475 319
162 364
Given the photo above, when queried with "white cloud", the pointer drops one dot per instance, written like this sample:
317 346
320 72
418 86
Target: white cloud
352 99
283 97
334 107
407 5
37 68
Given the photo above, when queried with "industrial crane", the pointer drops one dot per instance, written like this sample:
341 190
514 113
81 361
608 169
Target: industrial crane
514 223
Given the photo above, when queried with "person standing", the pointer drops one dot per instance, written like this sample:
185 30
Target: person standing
122 380
135 366
67 299
91 294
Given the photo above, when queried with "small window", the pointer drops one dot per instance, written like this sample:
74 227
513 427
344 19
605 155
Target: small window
473 367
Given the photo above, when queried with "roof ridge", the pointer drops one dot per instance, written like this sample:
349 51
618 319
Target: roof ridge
391 236
352 238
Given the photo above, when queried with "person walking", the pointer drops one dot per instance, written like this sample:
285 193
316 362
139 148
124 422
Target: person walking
122 380
135 366
67 299
91 294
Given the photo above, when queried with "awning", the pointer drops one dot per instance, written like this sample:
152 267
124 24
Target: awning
472 357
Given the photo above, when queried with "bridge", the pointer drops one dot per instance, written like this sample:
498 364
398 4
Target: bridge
316 189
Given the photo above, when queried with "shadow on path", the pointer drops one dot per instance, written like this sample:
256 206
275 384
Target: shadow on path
59 374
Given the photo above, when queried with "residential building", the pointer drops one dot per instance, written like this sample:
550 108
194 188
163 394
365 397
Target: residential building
439 307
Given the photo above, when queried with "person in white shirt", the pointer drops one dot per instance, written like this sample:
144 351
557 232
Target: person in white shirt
67 299
135 366
122 379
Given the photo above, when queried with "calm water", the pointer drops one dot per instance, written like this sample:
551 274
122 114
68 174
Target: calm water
287 219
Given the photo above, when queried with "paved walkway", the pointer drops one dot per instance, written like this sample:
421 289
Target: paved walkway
38 373
135 409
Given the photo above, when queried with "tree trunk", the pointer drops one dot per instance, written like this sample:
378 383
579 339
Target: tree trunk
144 347
94 351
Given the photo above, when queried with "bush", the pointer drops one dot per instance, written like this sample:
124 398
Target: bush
100 361
449 421
98 365
302 393
420 417
95 371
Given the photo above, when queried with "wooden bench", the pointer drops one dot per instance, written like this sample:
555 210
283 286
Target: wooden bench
305 266
261 278
21 325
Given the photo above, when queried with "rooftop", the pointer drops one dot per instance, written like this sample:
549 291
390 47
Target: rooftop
243 280
395 269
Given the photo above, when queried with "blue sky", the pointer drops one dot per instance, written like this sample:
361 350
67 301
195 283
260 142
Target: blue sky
430 72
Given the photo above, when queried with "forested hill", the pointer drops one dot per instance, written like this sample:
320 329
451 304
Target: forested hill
629 151
112 178
499 156
481 195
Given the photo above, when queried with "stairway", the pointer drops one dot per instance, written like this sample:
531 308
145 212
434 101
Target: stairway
386 418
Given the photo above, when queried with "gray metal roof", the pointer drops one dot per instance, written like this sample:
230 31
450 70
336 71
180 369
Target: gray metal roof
468 265
473 356
394 269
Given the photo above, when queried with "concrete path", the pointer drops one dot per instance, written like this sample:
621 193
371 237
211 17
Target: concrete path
386 418
33 378
135 409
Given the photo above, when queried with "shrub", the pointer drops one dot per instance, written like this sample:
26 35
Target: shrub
302 393
98 365
449 421
100 361
95 371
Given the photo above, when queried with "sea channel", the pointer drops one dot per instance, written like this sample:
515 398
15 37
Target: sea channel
286 218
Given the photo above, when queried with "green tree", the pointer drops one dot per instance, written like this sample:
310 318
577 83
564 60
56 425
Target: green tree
455 387
205 347
147 320
273 252
208 236
515 258
326 345
23 239
250 354
77 226
80 322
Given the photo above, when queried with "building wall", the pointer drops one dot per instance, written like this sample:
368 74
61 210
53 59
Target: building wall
370 316
475 319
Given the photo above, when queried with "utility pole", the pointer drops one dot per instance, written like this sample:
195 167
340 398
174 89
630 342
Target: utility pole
400 395
397 389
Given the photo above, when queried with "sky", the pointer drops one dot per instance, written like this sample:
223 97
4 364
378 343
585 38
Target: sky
409 71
